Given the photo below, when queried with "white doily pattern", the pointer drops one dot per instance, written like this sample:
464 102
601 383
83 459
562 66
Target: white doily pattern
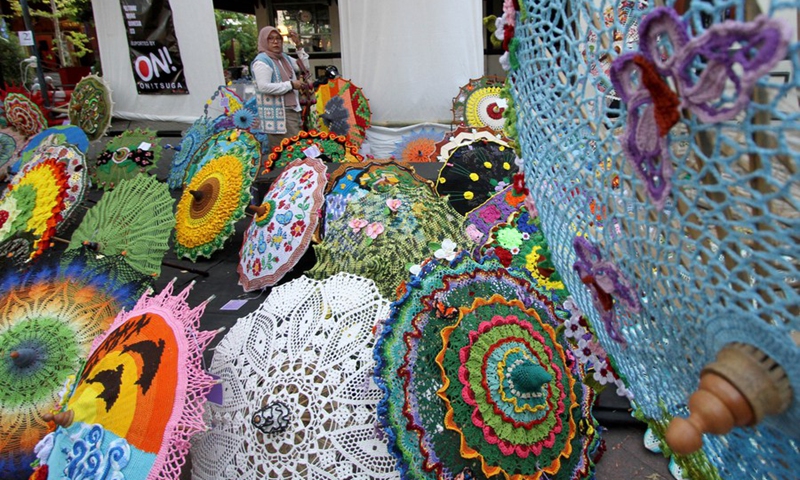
308 350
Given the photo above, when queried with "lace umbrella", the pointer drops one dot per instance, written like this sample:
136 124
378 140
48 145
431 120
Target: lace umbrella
90 106
284 223
319 144
475 169
476 382
385 232
298 400
193 139
479 103
48 320
23 114
126 156
139 398
418 146
134 221
52 137
339 101
696 262
216 196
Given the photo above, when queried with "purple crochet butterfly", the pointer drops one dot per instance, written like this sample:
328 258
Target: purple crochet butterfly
606 283
704 70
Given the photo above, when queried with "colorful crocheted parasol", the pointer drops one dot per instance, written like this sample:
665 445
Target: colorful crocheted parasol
15 251
476 382
48 320
298 399
336 98
245 118
90 106
126 156
418 146
239 143
479 103
52 137
324 145
24 114
492 212
284 223
134 220
216 196
475 170
223 102
385 232
193 139
10 155
139 398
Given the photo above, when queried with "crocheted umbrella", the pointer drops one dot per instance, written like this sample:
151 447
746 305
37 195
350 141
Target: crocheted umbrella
193 139
216 196
476 382
139 398
339 101
475 170
691 279
298 400
239 143
25 115
15 251
284 223
243 118
479 222
318 144
51 137
48 320
417 146
223 102
10 155
479 103
90 106
134 221
385 232
126 156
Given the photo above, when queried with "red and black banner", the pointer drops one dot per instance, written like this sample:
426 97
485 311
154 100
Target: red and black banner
155 56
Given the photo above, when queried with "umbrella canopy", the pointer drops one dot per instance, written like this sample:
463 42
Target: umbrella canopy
9 155
418 146
52 137
239 143
126 156
495 210
476 381
298 400
134 221
48 321
475 169
216 196
341 108
281 231
139 397
90 106
23 114
223 102
320 144
479 103
193 139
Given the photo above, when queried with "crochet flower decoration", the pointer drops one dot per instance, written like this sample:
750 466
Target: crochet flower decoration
243 118
448 250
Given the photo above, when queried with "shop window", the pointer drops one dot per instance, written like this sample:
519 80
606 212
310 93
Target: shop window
313 23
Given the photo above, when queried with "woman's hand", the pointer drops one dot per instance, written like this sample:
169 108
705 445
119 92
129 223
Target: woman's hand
294 37
296 84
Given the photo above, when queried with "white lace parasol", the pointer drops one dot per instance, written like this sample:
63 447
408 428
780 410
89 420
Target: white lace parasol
299 400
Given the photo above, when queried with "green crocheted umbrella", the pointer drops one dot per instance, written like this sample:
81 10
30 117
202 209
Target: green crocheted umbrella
125 156
90 106
385 232
134 220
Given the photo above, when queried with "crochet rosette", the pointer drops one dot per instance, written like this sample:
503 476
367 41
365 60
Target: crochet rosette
125 156
342 93
418 146
333 148
471 347
90 106
479 103
23 114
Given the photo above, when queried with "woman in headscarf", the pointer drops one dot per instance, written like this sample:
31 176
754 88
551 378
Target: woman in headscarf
277 85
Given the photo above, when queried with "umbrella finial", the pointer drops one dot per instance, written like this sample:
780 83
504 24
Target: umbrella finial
197 194
529 377
23 357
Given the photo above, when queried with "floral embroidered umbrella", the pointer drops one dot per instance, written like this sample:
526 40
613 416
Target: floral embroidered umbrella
52 137
298 400
90 106
125 156
193 139
418 146
284 223
138 399
216 196
48 321
475 170
340 101
319 144
23 114
477 383
479 103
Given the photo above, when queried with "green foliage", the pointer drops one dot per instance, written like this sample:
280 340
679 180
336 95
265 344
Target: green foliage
56 11
10 56
237 30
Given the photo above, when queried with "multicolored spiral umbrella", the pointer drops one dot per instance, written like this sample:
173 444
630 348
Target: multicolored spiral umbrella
90 106
476 382
23 114
479 103
282 228
48 321
418 146
336 98
216 196
324 145
139 398
52 137
298 400
193 139
125 156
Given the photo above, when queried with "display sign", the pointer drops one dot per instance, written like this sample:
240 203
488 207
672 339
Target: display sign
155 56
